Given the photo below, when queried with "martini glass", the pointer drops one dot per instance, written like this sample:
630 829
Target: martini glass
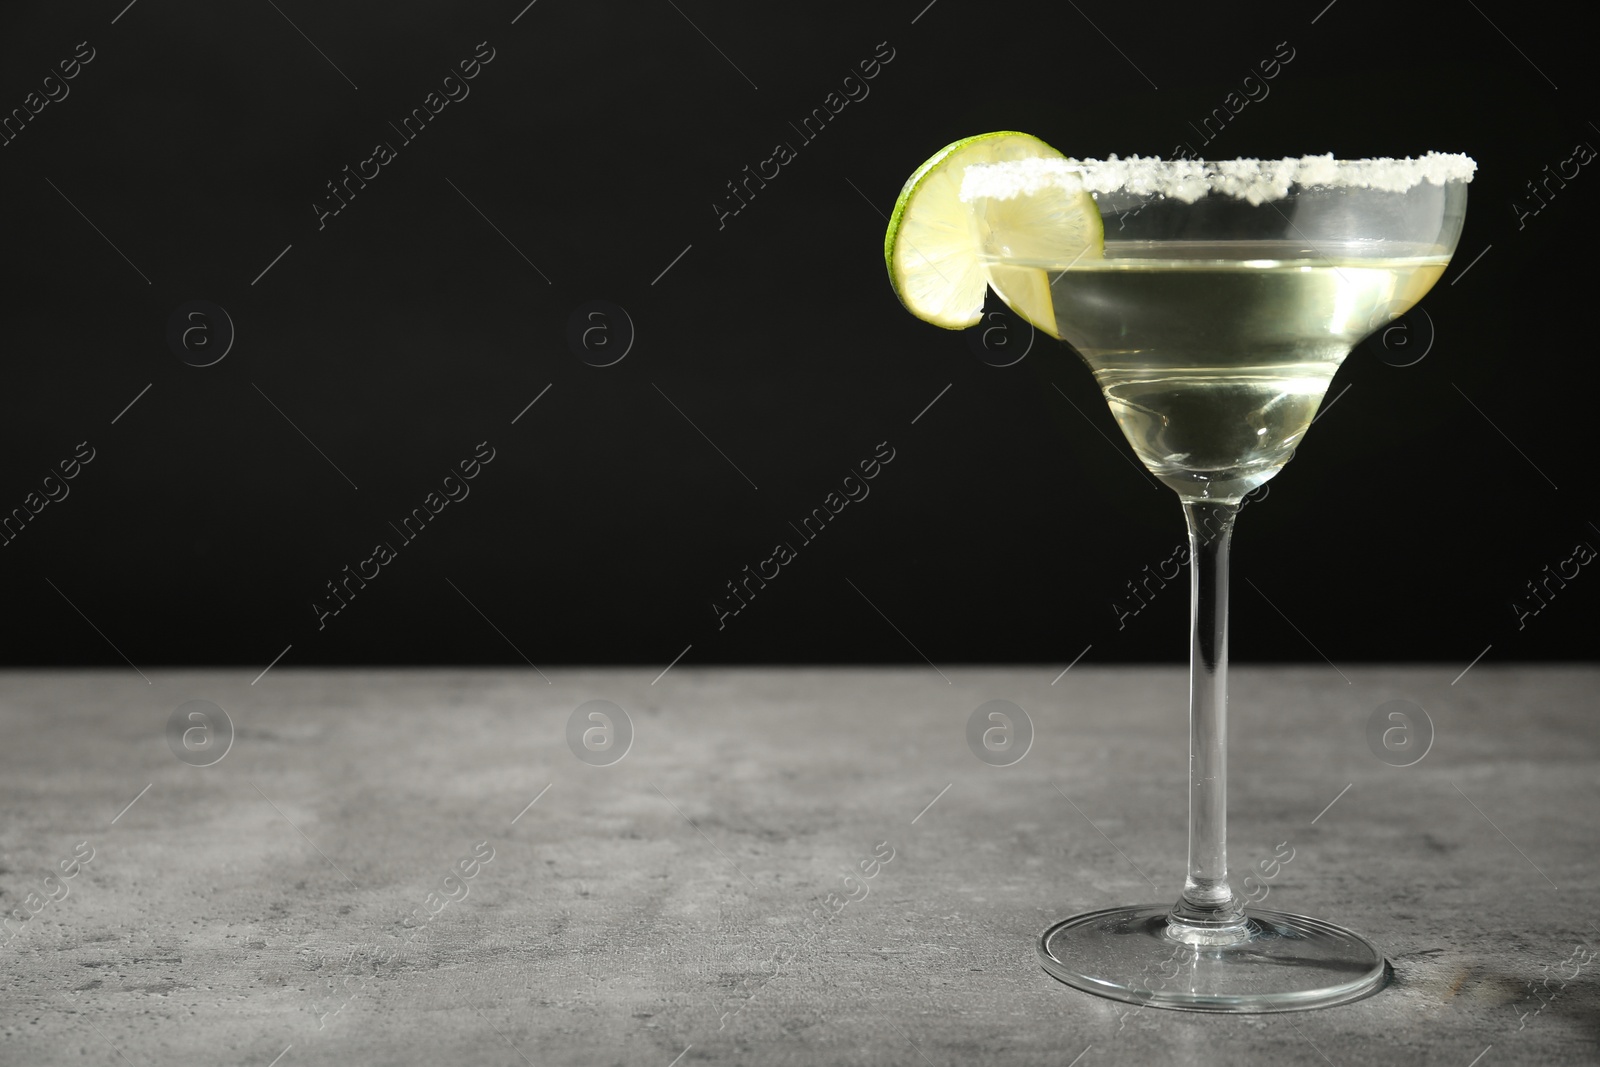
1225 298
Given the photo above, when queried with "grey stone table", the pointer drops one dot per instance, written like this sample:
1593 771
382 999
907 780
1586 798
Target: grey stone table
415 868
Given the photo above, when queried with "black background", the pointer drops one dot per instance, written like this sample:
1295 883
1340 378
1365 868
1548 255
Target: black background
597 141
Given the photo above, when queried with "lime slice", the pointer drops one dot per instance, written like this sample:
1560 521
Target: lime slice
932 245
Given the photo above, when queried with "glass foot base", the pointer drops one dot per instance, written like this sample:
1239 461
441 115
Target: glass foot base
1281 962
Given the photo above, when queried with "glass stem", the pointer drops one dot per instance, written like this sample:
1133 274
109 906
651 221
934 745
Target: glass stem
1208 910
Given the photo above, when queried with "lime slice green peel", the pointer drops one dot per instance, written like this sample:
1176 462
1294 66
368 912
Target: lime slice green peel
932 244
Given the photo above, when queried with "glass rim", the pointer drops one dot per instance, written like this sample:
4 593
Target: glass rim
1254 180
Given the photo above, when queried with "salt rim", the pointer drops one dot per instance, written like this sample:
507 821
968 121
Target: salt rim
1254 180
